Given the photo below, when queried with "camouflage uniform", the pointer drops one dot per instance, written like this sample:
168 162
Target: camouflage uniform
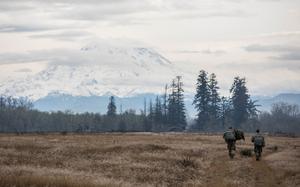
230 139
259 143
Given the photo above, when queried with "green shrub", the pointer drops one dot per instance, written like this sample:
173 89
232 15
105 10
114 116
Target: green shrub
246 152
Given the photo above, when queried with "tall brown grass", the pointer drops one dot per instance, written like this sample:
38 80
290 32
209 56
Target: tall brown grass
138 159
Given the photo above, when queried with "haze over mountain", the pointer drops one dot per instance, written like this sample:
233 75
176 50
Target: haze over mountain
97 70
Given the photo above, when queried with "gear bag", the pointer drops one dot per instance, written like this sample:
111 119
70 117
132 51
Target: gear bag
259 141
239 135
229 135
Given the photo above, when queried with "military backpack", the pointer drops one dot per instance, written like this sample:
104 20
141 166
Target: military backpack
259 141
229 135
239 135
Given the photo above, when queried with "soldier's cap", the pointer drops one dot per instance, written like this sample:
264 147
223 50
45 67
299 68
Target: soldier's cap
257 130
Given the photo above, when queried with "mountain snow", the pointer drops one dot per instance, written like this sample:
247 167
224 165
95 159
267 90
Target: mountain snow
97 70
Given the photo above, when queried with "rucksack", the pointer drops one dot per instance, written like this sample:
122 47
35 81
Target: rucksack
239 135
259 141
229 135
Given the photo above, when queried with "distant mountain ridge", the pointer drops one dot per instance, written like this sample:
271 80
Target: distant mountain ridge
98 104
267 102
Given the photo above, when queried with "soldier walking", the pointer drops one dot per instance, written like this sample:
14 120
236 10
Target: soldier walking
259 142
230 139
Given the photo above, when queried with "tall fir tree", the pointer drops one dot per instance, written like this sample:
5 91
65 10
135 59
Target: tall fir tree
214 99
201 100
151 112
225 110
158 113
145 107
172 104
180 104
111 107
165 105
176 107
242 106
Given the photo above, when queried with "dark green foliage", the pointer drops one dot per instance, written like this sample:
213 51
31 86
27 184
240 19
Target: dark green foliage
214 98
215 113
240 99
165 105
176 107
151 112
172 104
111 107
201 100
17 116
166 114
242 106
225 110
207 102
246 152
158 113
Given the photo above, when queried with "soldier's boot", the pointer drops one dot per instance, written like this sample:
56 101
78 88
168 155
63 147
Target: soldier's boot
257 155
231 154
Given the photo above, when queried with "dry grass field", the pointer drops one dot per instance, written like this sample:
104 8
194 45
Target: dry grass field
140 159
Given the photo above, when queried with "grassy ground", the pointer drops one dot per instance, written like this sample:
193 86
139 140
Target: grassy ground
143 160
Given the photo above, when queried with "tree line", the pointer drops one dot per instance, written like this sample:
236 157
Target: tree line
166 113
214 112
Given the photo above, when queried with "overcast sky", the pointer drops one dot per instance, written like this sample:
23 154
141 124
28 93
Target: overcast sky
258 39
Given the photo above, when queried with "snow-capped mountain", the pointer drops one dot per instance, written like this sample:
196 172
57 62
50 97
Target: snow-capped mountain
97 70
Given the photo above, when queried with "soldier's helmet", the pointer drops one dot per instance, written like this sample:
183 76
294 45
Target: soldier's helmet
230 127
257 130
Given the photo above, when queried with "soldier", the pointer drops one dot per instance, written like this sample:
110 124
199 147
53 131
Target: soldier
230 139
259 142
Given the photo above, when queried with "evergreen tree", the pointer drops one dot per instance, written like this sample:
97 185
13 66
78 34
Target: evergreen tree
145 107
180 104
158 114
165 104
176 107
151 112
111 107
242 106
214 99
201 100
252 110
172 104
225 111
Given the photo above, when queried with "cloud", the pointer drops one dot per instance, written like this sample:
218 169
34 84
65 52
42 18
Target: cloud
121 12
88 54
294 56
285 52
11 6
18 58
230 13
55 56
206 51
260 66
6 28
281 34
24 70
65 35
271 48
